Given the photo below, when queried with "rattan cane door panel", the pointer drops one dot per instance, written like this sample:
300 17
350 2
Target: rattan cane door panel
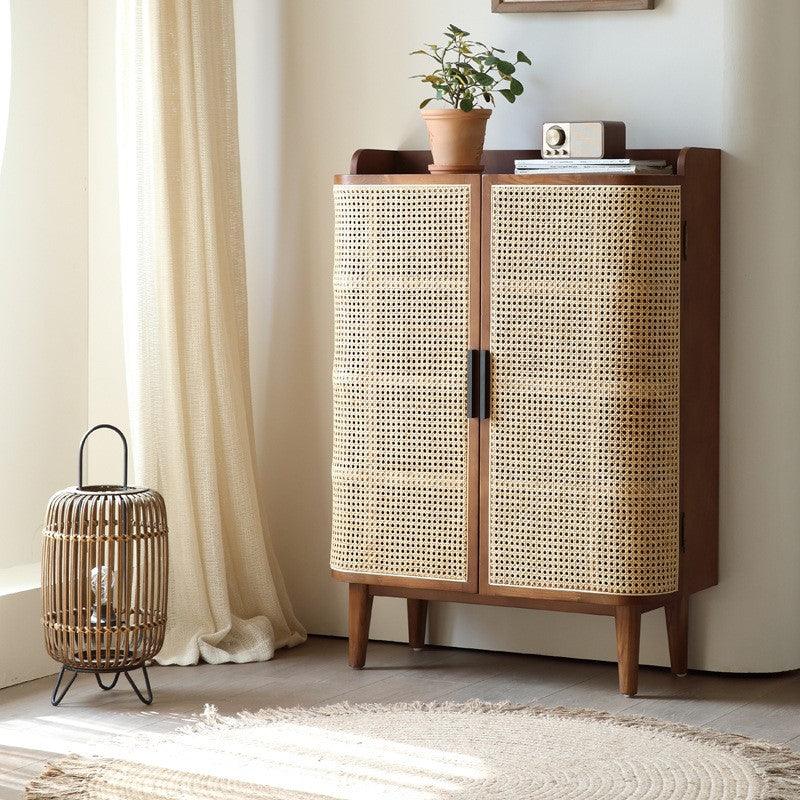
404 453
584 332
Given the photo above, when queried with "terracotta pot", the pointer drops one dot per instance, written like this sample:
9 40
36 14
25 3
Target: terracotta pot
456 138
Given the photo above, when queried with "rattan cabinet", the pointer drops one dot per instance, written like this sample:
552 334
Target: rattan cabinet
526 391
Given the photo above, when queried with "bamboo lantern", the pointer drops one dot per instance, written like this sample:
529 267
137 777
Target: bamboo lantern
104 579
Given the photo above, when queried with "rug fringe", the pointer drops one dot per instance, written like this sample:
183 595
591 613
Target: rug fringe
66 778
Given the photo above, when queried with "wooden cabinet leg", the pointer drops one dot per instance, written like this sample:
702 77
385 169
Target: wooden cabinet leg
628 623
677 614
417 622
359 613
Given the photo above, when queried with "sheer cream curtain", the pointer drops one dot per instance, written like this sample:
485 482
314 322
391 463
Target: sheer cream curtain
185 322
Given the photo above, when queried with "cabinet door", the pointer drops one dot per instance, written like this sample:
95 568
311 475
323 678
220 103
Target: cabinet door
581 453
406 300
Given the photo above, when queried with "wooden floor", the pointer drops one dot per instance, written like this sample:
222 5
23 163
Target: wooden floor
31 731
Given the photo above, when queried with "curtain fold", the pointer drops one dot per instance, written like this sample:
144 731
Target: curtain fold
185 325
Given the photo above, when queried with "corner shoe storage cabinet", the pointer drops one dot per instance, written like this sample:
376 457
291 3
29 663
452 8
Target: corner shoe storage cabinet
526 382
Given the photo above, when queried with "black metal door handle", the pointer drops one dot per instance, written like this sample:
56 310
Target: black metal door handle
473 370
485 386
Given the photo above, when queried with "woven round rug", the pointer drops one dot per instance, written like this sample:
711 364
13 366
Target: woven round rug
472 751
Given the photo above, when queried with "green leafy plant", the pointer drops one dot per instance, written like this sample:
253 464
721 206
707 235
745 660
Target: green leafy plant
468 72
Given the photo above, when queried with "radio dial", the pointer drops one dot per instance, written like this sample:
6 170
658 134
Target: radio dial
555 136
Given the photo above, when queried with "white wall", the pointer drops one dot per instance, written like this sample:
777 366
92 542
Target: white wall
107 401
751 620
318 80
43 296
42 268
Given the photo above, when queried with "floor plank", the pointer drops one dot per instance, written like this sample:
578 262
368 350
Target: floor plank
771 713
33 732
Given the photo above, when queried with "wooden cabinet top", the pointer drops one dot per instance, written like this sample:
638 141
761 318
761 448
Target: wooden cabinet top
685 162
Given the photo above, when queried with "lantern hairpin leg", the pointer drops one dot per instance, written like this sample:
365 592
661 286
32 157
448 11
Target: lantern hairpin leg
102 685
149 698
59 691
57 695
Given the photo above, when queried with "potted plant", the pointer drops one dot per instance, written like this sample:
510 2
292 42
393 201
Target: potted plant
466 73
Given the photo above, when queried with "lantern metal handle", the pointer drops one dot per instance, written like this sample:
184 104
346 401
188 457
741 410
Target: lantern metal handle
124 452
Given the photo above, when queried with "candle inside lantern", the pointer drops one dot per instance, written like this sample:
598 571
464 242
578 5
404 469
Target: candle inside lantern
104 581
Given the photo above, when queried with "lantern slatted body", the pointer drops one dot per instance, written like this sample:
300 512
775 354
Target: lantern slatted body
104 578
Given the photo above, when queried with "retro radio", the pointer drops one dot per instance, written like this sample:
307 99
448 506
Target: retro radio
583 140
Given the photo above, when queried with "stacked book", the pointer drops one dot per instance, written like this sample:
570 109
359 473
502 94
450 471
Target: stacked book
607 166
